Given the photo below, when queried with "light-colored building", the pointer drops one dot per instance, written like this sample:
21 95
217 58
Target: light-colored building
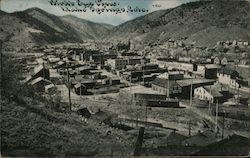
228 77
209 93
117 64
224 61
166 87
217 60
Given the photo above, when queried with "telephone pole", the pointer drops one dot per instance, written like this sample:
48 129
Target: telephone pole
69 86
189 128
223 124
216 118
209 105
191 92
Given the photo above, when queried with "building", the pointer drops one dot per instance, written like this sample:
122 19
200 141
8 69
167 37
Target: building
138 94
117 64
187 84
122 63
224 61
172 75
170 88
211 71
228 77
40 83
41 71
178 88
217 60
211 93
80 89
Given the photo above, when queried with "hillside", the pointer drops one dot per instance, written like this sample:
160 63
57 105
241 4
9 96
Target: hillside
35 26
203 22
86 28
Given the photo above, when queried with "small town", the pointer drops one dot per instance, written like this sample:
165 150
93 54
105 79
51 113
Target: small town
123 97
186 102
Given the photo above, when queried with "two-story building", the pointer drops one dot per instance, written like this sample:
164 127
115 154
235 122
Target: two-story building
228 77
211 93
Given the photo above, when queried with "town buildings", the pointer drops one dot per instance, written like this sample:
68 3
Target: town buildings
228 77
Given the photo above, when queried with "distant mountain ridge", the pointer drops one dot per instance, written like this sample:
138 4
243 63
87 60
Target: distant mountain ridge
36 26
202 22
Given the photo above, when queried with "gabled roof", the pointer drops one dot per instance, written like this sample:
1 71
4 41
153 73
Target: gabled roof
228 72
78 85
38 69
49 86
40 79
214 90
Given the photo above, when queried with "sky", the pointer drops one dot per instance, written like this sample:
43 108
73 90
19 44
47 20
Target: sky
109 18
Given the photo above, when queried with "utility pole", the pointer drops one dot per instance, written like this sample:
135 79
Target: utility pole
168 89
189 128
238 89
209 105
191 92
216 118
146 118
69 86
2 75
223 124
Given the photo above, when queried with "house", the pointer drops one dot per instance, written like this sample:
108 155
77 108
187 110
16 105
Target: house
80 89
40 83
228 77
41 71
201 139
224 61
245 62
211 93
217 60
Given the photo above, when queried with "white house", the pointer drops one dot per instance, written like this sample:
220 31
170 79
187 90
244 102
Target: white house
209 93
228 77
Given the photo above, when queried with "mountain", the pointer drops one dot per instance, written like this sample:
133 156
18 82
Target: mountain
203 22
35 26
87 28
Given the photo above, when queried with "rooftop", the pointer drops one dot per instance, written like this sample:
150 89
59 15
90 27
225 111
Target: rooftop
227 71
215 90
